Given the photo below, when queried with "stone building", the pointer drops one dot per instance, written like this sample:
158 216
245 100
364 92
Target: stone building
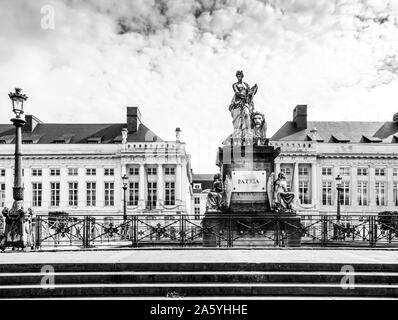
77 168
364 154
201 185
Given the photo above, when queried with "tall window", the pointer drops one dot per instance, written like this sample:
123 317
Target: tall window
55 193
151 199
73 189
345 193
72 171
91 194
345 171
362 192
169 170
91 171
37 194
380 194
197 213
326 171
304 192
286 170
36 172
170 198
303 171
380 172
109 171
327 193
2 172
395 193
2 194
133 193
109 194
55 172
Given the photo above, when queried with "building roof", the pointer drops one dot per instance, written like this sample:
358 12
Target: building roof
339 131
78 133
206 181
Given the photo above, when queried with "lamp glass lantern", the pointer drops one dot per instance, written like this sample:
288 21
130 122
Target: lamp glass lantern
125 178
18 100
338 181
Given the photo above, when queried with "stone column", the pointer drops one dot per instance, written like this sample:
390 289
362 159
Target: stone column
354 186
296 181
183 184
390 187
45 187
160 187
142 187
372 187
178 183
314 186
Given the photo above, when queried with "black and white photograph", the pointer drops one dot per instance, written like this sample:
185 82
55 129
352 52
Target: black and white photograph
198 156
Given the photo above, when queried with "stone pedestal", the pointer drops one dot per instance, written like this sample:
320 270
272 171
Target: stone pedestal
247 158
249 219
268 229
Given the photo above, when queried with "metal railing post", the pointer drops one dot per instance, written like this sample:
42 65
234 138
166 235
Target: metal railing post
182 228
324 230
38 232
134 230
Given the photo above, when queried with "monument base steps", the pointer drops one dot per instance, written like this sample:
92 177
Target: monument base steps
79 280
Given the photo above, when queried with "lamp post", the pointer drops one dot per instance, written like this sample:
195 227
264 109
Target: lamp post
18 227
125 178
338 187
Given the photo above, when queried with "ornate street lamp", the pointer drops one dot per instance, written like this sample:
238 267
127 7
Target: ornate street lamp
125 179
18 221
339 188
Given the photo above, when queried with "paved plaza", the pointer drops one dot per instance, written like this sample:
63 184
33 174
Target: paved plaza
379 256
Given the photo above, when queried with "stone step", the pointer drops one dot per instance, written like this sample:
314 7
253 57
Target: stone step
198 289
194 266
23 278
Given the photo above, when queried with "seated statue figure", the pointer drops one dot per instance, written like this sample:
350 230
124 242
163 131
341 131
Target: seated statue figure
215 198
283 200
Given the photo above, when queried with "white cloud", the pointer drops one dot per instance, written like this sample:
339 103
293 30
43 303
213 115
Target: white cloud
176 60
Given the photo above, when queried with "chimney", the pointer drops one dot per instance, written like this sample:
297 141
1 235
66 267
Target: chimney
395 117
300 116
31 123
133 119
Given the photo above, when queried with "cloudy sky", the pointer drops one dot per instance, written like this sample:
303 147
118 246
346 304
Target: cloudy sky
177 60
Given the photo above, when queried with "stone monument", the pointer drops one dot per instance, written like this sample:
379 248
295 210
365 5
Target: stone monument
247 205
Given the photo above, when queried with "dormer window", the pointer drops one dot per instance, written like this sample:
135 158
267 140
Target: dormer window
94 140
197 186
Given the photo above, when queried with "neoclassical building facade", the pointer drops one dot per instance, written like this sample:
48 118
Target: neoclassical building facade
78 168
364 154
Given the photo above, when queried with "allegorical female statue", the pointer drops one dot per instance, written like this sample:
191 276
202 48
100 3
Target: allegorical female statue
282 200
241 106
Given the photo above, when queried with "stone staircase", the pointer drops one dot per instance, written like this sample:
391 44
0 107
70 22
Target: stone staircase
196 280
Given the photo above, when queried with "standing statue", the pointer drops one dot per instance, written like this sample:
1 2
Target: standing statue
18 231
242 106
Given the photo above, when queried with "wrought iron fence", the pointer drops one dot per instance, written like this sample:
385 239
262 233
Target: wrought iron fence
230 231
